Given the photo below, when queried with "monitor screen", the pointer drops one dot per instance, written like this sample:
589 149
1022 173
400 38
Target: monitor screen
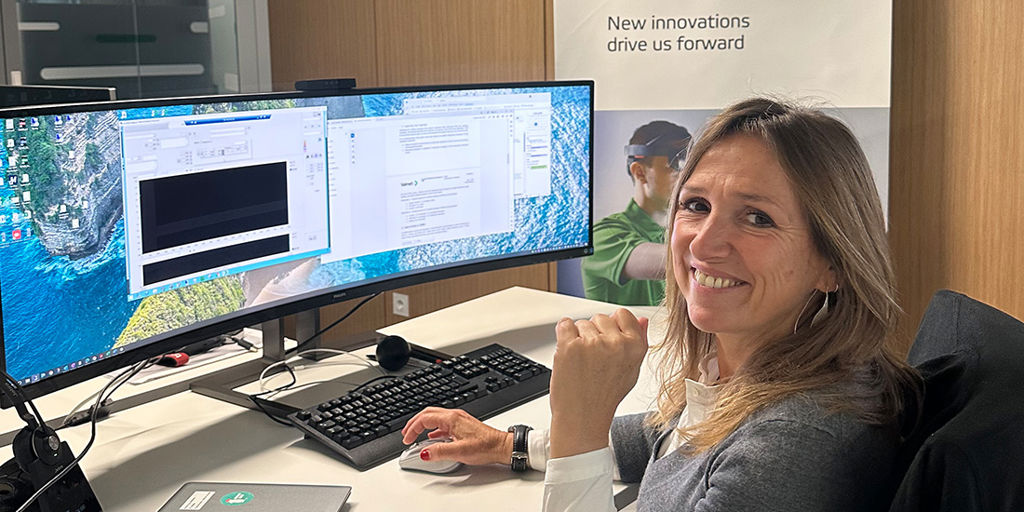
128 229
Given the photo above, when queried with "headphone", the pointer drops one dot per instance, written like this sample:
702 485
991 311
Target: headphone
674 150
393 352
37 441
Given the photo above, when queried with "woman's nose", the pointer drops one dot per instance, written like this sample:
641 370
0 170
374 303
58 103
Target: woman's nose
712 239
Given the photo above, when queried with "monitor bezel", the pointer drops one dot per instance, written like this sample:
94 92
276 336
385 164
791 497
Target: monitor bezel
175 339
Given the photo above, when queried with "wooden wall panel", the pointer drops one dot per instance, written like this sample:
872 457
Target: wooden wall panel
459 41
956 187
429 297
322 39
410 42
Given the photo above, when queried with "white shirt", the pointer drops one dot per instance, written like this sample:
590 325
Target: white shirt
583 482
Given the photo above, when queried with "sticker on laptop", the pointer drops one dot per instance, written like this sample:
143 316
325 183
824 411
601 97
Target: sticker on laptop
236 498
197 500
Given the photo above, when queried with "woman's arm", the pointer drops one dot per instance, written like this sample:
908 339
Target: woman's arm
785 465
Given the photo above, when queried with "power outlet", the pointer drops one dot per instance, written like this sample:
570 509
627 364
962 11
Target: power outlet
400 304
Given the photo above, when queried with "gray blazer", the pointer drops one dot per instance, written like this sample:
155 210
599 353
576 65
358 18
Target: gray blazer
790 457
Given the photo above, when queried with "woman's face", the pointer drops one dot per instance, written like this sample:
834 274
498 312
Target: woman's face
741 246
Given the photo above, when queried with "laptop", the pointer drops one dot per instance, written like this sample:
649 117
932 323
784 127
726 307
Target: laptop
248 497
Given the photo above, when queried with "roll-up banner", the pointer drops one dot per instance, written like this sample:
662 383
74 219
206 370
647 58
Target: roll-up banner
662 64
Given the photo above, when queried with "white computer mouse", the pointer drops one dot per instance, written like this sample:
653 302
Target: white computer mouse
410 459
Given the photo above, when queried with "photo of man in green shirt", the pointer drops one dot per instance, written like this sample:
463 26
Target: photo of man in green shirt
628 264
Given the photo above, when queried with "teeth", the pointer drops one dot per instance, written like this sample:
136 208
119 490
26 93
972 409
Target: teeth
713 282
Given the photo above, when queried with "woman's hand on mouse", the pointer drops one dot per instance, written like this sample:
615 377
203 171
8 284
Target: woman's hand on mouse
596 363
473 442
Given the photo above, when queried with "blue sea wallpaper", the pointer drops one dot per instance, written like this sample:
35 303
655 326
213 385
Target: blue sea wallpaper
63 277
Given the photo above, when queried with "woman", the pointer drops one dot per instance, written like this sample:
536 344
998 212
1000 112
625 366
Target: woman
778 389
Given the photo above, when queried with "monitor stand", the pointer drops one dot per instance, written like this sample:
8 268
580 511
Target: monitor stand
222 384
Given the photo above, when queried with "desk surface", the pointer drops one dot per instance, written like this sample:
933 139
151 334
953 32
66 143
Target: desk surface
142 455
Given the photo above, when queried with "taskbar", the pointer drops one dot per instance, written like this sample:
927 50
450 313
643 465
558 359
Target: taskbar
32 379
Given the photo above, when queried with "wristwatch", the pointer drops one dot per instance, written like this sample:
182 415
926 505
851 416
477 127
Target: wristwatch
519 454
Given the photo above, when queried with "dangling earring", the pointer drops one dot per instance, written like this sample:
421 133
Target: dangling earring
824 306
821 312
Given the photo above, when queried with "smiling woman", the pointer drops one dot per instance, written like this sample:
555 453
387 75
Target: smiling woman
743 251
779 391
780 200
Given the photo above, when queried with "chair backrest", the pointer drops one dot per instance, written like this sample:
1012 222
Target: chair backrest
967 452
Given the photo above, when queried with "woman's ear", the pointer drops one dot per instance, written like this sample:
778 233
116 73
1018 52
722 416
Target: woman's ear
829 281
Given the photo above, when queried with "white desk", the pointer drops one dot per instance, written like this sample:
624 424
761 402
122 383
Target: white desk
142 455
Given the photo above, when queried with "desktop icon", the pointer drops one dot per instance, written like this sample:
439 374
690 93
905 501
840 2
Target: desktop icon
16 234
34 122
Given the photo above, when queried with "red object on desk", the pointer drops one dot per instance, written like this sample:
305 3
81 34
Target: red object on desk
173 359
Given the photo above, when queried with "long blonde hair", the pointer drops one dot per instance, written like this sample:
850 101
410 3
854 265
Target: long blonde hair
845 358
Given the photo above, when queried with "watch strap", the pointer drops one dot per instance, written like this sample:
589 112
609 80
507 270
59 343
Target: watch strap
520 455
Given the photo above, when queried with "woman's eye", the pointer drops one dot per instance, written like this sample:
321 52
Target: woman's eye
760 219
695 206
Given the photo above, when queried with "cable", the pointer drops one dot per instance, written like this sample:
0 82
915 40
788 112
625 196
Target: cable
336 322
256 400
365 362
18 400
67 423
129 372
312 383
264 391
298 350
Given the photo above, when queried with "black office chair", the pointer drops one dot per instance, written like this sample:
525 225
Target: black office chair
967 452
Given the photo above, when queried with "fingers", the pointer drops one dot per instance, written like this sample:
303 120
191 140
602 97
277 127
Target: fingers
455 450
431 418
622 321
566 330
472 442
625 321
644 323
589 329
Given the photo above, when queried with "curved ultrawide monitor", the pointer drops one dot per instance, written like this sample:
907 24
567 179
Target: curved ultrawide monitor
128 229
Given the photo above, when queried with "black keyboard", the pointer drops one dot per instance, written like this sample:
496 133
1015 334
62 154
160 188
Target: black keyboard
364 426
